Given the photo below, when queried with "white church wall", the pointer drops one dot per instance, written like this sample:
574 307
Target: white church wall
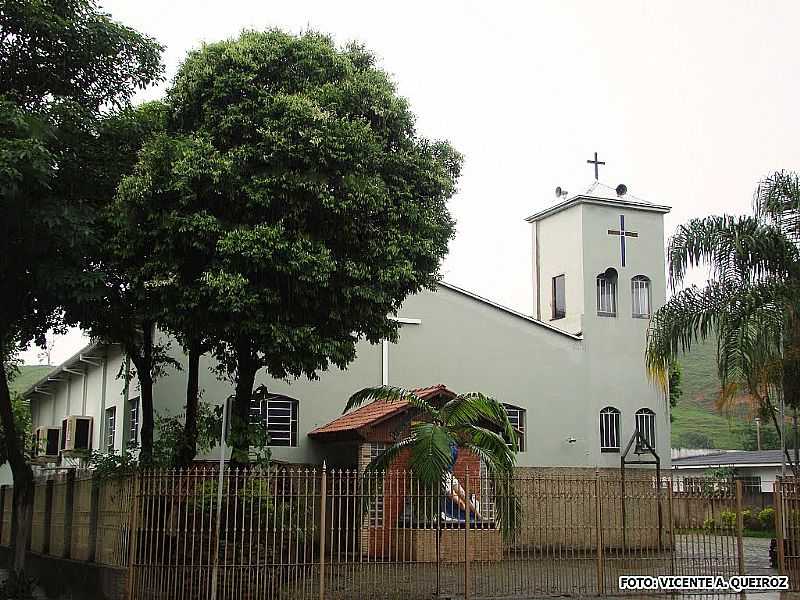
557 242
470 346
616 374
320 401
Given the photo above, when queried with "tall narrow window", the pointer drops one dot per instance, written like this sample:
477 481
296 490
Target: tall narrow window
609 429
516 416
607 293
133 411
646 427
559 298
375 489
640 297
111 426
278 414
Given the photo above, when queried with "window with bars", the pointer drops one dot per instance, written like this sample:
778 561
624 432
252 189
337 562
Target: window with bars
609 429
278 415
375 489
133 411
607 294
646 426
516 416
640 297
559 300
111 426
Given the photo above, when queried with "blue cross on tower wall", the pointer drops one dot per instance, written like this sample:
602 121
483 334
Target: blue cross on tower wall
622 235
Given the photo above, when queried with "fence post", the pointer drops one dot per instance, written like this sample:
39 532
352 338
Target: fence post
778 499
599 535
48 516
69 506
323 497
94 517
134 534
739 527
466 534
671 483
2 510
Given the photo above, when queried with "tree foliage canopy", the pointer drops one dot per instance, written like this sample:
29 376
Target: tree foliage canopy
290 207
301 205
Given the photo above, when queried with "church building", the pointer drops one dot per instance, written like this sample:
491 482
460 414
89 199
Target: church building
571 373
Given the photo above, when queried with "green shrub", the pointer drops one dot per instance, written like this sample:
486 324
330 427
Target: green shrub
767 518
751 520
709 524
727 519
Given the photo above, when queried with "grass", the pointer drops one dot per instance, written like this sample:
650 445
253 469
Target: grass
27 376
690 416
696 411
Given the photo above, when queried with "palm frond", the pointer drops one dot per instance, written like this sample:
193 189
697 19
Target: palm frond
507 503
502 456
736 249
472 408
695 314
430 452
389 394
777 201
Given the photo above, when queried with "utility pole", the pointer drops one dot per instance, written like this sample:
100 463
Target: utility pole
758 433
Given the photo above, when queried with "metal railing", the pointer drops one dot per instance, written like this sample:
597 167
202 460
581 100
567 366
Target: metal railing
339 534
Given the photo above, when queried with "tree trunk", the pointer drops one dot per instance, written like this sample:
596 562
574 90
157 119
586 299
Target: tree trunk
143 360
188 449
779 429
22 515
246 369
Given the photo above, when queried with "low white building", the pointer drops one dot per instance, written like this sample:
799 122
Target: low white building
757 468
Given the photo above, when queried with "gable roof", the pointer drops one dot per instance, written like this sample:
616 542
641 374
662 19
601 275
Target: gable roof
352 425
601 194
735 458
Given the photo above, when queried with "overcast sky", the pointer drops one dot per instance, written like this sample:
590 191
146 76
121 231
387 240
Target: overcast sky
690 103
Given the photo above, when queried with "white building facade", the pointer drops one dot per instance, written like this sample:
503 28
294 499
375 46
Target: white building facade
572 373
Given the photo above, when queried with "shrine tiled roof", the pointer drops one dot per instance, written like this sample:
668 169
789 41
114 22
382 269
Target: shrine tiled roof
375 412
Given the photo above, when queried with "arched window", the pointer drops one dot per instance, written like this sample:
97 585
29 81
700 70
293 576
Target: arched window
607 293
646 426
516 416
278 414
640 297
609 429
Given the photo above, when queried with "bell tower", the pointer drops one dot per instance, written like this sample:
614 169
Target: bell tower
598 260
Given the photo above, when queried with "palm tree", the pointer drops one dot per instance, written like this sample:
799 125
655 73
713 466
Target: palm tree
472 422
750 303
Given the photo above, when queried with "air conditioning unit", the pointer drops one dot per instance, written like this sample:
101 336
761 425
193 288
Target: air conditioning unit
46 442
76 433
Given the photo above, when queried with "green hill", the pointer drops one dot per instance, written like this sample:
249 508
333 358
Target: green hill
27 376
695 415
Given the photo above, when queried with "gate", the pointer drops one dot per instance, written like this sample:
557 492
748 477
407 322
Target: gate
787 529
311 534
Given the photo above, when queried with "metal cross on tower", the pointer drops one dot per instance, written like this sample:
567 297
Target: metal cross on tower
596 164
622 235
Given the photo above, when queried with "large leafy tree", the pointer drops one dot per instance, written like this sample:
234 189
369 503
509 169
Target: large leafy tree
750 303
123 308
473 422
61 62
292 202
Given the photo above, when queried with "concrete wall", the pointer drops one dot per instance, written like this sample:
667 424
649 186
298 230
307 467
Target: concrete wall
556 243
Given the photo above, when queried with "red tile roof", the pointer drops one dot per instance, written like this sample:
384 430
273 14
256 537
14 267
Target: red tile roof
375 412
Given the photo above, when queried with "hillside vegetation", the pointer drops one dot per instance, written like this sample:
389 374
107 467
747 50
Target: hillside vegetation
695 415
28 375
